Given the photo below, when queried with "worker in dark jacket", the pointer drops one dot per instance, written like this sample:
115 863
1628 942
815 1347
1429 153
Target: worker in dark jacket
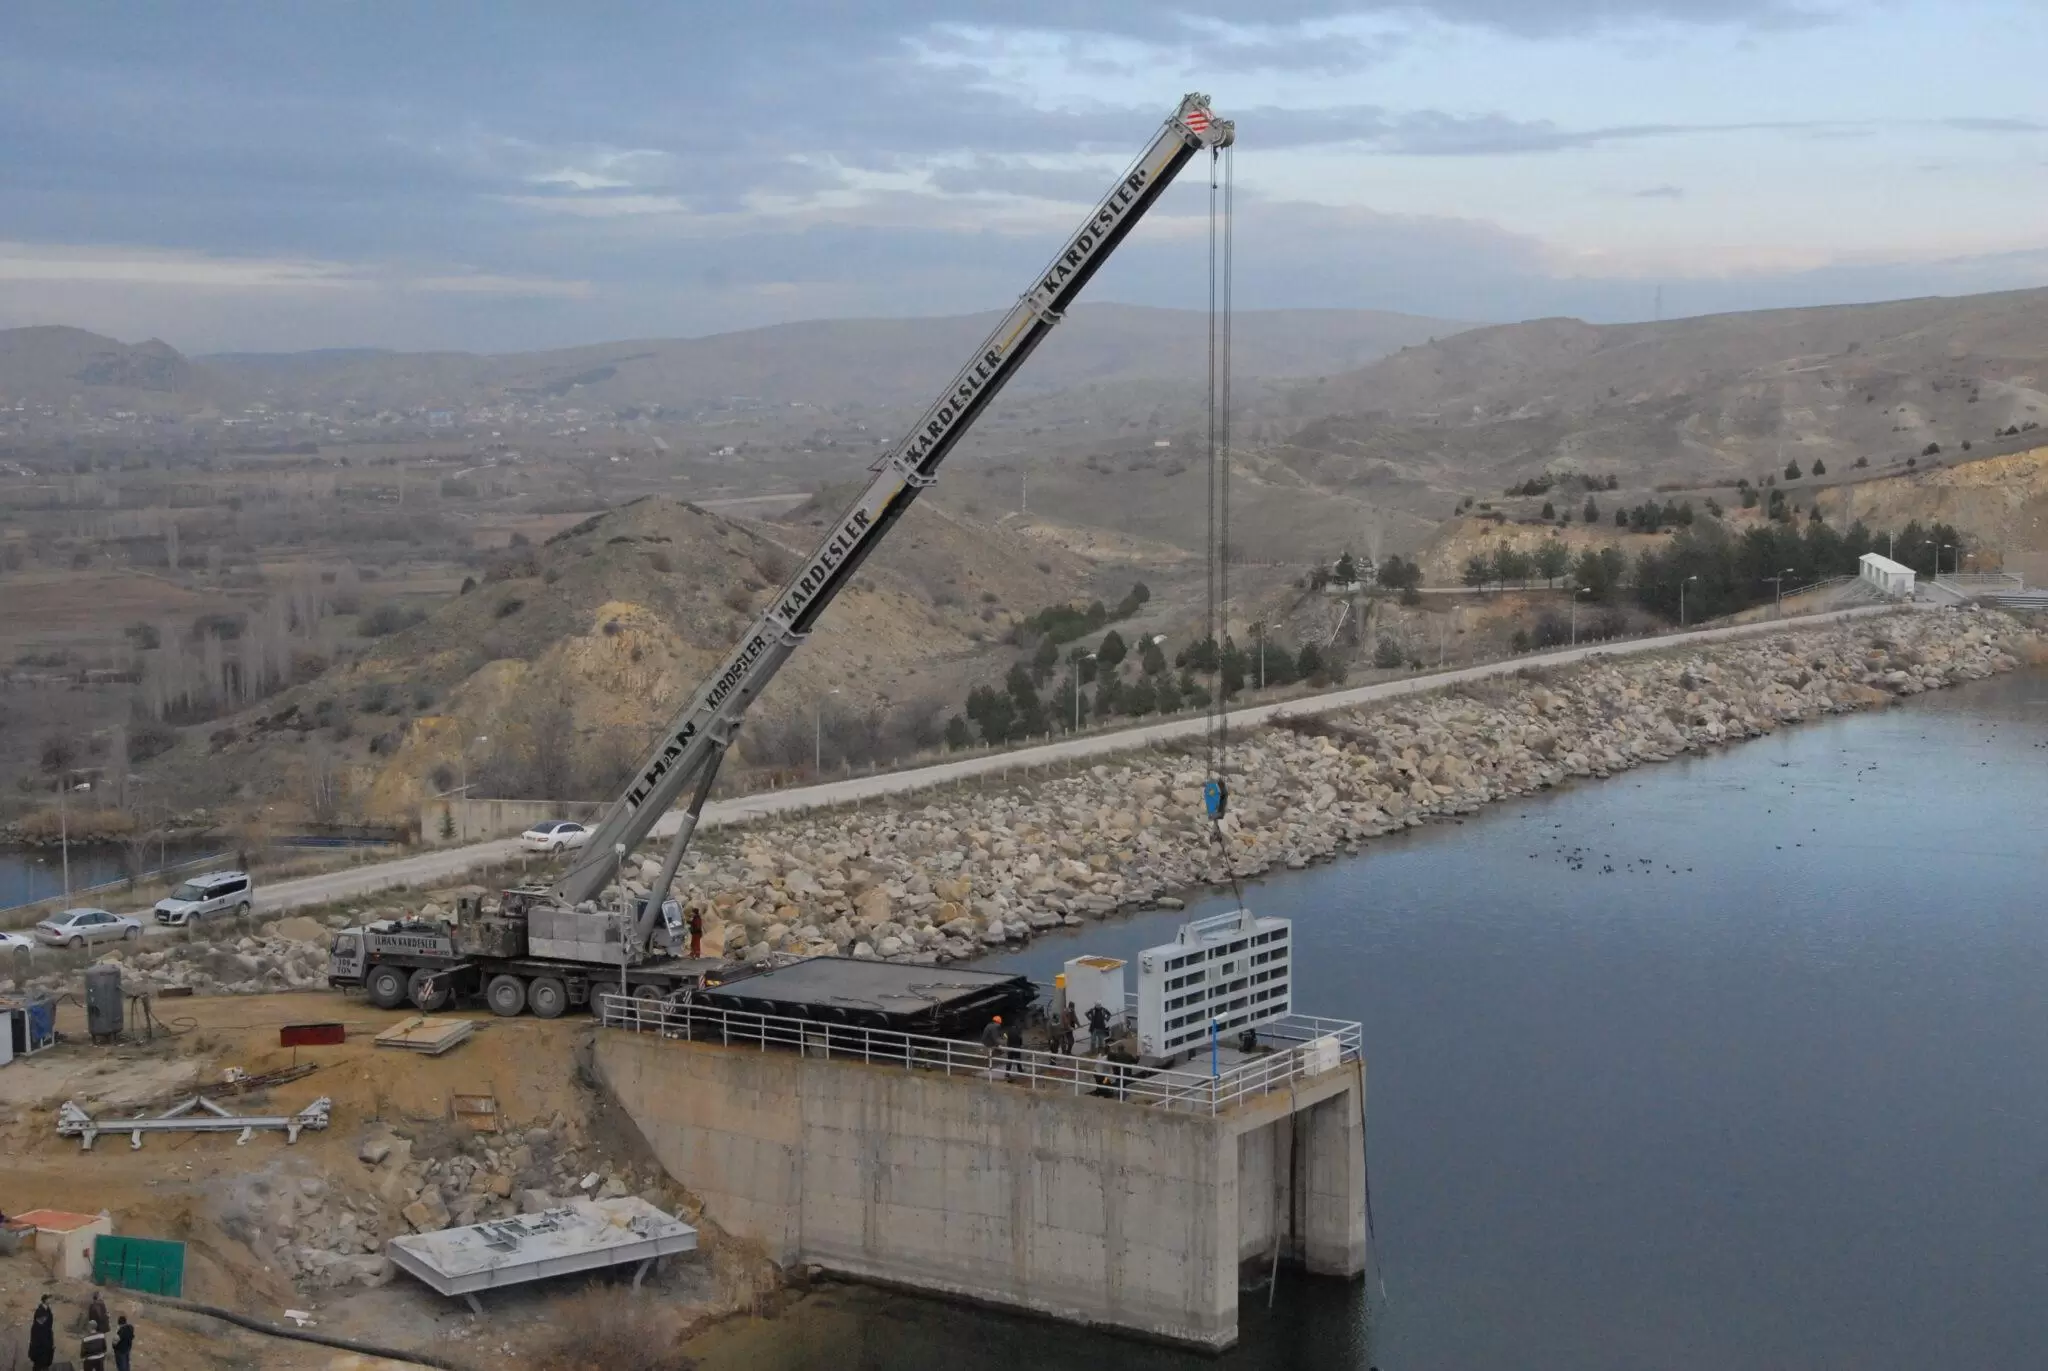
992 1039
42 1337
96 1312
1098 1029
124 1343
92 1350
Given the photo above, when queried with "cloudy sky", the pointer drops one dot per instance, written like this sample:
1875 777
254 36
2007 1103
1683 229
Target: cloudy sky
507 175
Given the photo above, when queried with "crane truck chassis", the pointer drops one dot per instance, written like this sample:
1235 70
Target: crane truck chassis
432 964
548 947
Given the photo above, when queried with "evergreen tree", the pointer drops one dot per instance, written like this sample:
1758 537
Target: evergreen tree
1112 651
957 735
1231 666
1347 570
1044 660
1151 657
1592 511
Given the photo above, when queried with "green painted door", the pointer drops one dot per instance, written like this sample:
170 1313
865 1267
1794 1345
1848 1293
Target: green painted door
151 1265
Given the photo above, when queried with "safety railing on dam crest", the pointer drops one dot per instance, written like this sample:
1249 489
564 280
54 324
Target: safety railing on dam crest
1290 1049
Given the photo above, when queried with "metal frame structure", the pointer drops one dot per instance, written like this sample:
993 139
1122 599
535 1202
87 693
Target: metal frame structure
74 1122
1308 1047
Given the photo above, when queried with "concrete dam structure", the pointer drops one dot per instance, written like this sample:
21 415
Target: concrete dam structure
1112 1196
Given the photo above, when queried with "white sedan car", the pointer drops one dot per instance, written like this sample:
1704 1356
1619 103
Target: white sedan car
77 927
555 835
15 949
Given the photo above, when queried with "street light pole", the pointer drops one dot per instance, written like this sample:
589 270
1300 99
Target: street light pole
1681 601
818 735
1575 613
64 829
1778 589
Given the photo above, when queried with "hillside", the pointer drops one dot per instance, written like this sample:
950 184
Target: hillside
2000 504
1702 399
50 365
875 363
553 674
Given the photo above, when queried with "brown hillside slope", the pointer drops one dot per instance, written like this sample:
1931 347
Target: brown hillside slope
1697 399
570 664
2000 505
46 364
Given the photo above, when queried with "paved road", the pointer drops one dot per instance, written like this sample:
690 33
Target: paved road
447 866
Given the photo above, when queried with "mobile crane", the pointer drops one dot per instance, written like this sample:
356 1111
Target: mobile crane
546 947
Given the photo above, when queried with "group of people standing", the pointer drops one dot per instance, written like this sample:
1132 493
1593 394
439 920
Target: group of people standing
100 1338
1001 1041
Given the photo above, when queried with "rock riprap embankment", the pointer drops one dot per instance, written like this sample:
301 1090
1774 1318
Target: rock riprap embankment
951 874
974 869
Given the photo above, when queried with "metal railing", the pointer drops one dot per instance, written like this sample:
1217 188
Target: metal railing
1981 580
1299 1046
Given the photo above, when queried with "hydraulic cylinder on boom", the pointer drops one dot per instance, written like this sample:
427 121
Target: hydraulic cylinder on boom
688 753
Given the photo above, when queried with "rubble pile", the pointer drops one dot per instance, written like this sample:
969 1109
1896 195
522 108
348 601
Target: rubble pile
329 1231
290 954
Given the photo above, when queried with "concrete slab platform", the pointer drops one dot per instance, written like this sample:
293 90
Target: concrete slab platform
583 1235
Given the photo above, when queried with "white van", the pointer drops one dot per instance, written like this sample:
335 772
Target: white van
217 892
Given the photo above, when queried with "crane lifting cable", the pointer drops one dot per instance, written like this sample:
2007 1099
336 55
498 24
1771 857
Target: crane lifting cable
1216 790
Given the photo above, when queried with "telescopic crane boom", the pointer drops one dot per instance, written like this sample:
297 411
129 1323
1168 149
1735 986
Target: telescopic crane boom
689 752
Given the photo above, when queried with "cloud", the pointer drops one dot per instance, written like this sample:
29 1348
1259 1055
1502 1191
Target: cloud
1666 192
1994 125
523 174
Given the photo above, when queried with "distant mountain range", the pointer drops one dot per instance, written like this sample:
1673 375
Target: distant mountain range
872 363
1707 398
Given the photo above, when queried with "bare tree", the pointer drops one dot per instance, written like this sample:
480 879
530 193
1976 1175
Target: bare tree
326 786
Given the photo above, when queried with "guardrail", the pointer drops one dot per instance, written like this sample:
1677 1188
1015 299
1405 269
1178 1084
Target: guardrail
1300 1046
119 883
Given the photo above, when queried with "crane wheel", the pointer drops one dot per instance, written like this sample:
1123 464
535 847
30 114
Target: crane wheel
507 996
427 991
386 985
547 997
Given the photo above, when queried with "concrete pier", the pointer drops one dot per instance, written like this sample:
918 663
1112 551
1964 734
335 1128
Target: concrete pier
1133 1215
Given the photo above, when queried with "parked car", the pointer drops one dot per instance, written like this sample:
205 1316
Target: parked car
217 892
77 927
554 835
15 949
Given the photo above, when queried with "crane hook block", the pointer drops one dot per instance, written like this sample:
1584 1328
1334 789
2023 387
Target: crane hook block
1216 796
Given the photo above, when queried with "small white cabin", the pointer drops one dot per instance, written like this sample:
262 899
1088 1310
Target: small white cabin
1885 576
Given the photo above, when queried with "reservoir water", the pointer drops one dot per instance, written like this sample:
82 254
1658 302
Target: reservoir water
37 873
1735 1061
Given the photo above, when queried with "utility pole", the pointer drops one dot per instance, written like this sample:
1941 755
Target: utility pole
1681 602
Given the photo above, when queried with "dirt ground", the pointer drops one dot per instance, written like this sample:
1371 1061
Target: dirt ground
208 1191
